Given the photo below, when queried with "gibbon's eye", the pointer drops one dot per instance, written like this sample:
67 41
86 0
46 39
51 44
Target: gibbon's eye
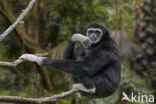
98 33
90 32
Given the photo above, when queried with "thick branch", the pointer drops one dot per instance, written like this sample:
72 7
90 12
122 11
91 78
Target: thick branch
4 16
37 21
19 19
16 99
18 61
45 78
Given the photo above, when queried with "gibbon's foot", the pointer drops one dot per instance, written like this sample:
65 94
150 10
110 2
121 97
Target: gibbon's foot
81 87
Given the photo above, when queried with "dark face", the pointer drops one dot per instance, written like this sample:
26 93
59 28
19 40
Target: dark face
94 34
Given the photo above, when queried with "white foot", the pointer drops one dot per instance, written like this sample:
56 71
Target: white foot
81 87
79 95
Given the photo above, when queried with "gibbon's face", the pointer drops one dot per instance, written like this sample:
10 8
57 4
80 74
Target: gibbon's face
94 34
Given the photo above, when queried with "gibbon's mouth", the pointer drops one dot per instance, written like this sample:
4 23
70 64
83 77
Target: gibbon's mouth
93 38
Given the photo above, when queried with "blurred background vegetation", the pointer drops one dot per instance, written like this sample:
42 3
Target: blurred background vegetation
51 23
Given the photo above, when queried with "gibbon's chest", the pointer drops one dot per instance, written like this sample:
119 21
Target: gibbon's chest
81 54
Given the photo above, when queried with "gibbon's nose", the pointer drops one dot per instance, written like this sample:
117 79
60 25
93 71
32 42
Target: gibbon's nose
93 37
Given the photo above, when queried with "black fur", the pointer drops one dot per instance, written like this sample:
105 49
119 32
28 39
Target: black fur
98 66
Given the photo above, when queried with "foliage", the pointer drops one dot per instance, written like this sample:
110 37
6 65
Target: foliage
58 20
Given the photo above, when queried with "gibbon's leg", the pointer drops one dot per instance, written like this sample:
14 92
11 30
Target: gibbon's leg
85 84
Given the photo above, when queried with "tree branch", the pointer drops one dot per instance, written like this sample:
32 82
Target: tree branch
18 61
19 19
45 78
37 22
16 99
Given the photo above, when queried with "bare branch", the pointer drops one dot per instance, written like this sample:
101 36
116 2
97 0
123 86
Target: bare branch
19 19
18 61
16 99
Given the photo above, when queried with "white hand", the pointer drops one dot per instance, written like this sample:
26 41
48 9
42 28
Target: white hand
83 39
78 37
33 58
27 57
87 43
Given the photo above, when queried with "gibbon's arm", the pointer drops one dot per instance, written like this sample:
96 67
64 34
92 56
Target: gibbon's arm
89 66
68 52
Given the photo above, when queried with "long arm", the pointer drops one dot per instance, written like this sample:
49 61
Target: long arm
68 52
89 66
